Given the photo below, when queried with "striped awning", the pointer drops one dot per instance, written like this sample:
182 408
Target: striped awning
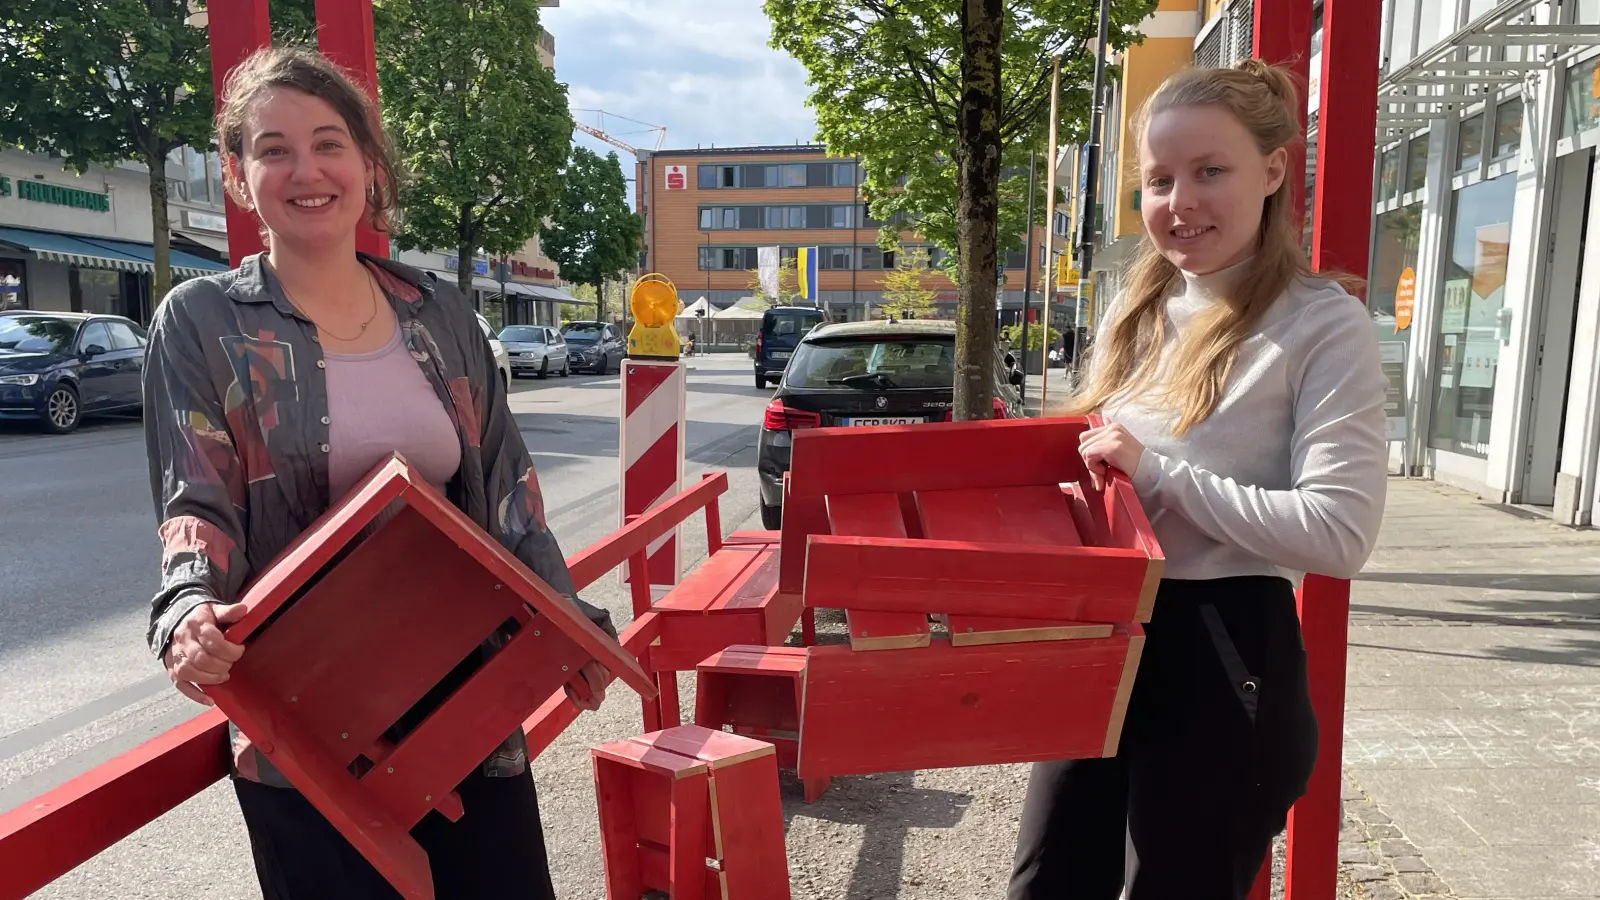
103 253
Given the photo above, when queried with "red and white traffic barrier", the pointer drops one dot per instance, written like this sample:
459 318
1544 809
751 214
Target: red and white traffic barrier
652 450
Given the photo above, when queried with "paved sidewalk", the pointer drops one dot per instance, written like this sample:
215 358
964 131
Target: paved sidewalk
1472 730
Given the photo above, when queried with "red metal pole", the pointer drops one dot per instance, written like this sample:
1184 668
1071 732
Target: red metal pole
1347 119
1282 36
236 29
344 35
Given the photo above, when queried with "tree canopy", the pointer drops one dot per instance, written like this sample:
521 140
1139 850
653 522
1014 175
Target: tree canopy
886 86
906 293
482 127
594 236
102 81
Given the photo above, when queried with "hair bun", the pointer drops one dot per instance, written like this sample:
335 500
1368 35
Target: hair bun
1276 78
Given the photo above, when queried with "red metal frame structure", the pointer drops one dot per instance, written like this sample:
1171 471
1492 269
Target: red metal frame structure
56 832
237 28
1347 117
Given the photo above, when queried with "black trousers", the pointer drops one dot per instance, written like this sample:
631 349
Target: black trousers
1218 743
495 851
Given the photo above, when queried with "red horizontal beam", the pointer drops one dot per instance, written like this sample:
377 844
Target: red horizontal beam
614 549
52 834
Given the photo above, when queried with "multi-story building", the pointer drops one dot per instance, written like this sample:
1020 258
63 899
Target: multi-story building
708 210
1484 287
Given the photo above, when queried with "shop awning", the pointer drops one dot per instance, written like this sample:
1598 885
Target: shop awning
216 242
102 253
1461 70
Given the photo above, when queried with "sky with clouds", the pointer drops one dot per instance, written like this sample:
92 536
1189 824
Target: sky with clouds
702 68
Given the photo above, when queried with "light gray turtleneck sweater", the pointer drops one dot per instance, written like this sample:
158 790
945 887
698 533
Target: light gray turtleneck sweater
1289 474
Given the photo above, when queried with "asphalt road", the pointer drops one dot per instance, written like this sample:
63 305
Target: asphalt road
78 560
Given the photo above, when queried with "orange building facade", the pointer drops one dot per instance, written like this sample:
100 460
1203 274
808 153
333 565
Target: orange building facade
707 211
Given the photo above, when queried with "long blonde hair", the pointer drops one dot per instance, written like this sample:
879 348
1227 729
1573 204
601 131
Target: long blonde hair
1126 359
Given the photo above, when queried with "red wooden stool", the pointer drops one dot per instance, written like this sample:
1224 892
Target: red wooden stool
373 608
757 691
692 812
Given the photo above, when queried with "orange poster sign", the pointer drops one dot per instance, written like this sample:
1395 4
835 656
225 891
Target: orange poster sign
1405 299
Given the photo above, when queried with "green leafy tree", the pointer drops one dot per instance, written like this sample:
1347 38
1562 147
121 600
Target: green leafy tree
293 21
938 98
482 127
102 81
595 236
905 289
788 288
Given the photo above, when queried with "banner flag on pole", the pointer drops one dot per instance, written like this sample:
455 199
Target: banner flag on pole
806 269
767 262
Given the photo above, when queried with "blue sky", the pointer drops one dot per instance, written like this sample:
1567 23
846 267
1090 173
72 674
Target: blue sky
702 68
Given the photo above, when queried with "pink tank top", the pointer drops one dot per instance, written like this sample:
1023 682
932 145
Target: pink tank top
378 403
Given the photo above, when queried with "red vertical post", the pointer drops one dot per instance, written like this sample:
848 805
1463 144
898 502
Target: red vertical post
344 35
1281 35
236 29
1347 120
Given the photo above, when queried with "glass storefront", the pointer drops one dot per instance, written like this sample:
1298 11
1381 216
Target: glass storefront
1399 236
1467 354
13 277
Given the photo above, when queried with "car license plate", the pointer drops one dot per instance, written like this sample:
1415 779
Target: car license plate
881 420
781 354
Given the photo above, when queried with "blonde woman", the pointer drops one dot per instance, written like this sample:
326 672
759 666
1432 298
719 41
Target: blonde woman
1244 398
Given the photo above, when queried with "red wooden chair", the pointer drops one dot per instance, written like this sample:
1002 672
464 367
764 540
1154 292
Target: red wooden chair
380 601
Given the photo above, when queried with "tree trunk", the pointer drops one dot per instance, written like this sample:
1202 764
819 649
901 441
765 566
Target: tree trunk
160 231
977 206
464 255
599 301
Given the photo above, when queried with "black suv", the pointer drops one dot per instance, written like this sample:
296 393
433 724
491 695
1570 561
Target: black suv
866 373
782 327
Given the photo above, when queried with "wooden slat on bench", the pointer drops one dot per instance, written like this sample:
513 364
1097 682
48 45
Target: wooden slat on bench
722 571
1034 515
758 583
876 515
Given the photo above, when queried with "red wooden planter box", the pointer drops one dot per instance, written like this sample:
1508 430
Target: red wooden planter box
364 616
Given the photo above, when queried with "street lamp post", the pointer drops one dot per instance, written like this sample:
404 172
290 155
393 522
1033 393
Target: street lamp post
1091 164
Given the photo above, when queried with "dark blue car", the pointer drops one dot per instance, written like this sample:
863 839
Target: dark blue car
58 367
782 327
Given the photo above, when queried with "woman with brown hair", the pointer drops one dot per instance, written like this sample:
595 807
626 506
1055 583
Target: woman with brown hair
1244 398
270 391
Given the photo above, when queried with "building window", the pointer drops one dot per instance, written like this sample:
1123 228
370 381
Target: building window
840 217
708 219
1468 353
1389 175
1582 106
1469 153
1508 129
844 174
13 284
1417 164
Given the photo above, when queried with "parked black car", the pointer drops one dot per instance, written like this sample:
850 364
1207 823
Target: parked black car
866 373
594 346
58 367
782 327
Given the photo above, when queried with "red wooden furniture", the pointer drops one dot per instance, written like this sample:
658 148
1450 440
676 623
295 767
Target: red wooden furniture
364 616
691 812
1039 578
757 691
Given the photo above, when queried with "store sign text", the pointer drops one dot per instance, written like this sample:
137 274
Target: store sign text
56 195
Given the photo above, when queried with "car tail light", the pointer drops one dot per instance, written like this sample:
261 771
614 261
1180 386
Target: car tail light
783 418
1000 411
758 343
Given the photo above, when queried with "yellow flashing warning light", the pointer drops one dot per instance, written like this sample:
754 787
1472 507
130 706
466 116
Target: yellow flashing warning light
654 302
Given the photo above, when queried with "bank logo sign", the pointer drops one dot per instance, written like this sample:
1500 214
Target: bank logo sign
39 192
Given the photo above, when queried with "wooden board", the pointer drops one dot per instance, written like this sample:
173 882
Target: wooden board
1036 515
944 706
876 515
1080 584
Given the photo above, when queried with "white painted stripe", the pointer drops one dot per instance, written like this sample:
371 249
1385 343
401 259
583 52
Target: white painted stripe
1182 23
653 418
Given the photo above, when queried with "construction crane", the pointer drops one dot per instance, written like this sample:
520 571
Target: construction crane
600 131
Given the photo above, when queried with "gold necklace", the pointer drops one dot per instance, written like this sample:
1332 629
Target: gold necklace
371 291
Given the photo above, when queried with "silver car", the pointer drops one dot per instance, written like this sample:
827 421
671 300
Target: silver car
500 360
535 350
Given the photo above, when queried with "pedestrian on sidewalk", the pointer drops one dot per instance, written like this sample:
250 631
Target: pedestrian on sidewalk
1244 398
269 392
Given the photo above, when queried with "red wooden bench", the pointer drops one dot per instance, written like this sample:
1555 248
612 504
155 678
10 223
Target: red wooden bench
1039 578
